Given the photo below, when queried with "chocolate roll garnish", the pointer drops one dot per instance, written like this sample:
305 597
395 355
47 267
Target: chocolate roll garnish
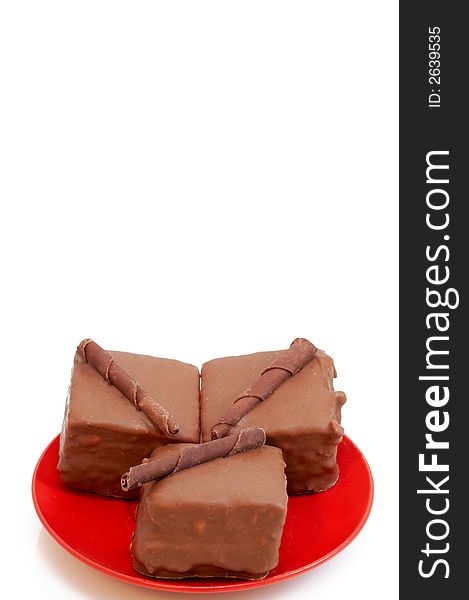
108 368
300 353
191 456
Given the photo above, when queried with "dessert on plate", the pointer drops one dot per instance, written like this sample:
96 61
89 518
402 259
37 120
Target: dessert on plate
212 457
290 394
215 509
120 407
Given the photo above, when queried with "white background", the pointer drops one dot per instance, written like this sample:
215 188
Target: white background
193 179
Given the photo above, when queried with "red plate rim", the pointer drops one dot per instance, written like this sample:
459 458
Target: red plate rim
168 585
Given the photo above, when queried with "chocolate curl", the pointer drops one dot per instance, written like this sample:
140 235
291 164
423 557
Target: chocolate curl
152 470
300 353
106 366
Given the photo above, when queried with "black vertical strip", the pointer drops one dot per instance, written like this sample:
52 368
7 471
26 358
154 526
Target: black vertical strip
434 270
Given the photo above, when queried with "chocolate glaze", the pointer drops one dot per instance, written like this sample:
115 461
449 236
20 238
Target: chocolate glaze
114 374
223 518
299 354
302 416
103 434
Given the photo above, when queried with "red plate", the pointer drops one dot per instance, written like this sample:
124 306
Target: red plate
97 530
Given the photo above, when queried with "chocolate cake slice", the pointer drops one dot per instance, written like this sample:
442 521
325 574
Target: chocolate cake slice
120 407
290 394
211 517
